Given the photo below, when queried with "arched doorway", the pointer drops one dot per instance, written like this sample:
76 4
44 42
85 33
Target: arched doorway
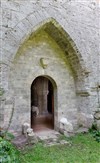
42 104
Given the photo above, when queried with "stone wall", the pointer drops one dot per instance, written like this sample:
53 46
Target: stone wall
78 66
27 66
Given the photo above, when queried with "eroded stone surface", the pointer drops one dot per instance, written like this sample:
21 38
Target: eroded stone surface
32 138
25 127
66 127
97 115
51 138
85 120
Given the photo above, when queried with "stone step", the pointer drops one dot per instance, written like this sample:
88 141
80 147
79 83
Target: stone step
47 135
50 138
20 141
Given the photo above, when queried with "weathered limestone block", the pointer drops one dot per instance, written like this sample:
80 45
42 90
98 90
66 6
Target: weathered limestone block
97 115
29 131
25 126
32 138
85 120
65 126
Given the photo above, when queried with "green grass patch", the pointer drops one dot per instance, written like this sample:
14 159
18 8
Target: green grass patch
82 149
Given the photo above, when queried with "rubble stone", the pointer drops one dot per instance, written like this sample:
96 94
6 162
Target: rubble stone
97 115
32 138
25 126
85 120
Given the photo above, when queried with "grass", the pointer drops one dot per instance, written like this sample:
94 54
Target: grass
82 149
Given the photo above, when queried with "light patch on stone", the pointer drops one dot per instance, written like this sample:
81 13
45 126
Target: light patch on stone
65 125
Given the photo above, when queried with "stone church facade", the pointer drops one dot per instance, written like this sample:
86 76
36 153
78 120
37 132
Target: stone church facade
49 63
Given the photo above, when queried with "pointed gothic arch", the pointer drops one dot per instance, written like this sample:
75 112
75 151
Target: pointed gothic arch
71 54
63 39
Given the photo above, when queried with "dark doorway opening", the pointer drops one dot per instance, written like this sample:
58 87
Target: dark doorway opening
42 104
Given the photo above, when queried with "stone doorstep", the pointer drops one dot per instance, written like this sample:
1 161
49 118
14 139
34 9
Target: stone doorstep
47 135
49 138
